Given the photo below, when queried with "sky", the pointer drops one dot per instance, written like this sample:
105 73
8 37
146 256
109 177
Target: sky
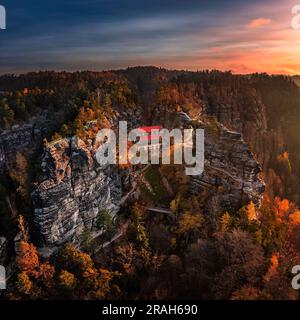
237 35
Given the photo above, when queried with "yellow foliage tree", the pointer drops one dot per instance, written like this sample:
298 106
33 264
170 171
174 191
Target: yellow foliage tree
295 218
45 273
251 212
282 209
189 222
225 222
20 174
273 269
74 260
66 280
98 281
23 283
27 259
174 204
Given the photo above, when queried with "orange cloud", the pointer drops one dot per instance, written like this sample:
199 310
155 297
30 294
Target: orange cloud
216 49
260 22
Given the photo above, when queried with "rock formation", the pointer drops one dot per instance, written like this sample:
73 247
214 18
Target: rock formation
20 138
75 192
230 167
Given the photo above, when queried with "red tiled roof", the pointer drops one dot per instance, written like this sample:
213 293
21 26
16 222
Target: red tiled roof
150 138
148 129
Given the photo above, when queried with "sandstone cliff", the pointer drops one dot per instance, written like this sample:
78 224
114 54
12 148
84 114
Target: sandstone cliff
75 192
230 167
20 138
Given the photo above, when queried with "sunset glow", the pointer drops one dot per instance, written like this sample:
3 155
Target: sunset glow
228 35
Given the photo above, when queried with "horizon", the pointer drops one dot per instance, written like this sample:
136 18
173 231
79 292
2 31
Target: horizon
18 74
105 35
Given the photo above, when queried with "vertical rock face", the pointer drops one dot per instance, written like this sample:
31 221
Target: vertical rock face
230 167
23 138
75 192
76 189
251 121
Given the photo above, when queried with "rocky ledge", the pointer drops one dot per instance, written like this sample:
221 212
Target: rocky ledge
75 192
231 170
20 138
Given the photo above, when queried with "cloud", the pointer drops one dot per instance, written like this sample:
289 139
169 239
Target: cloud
260 22
118 33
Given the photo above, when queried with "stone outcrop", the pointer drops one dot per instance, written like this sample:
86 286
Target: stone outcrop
20 138
230 166
75 192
